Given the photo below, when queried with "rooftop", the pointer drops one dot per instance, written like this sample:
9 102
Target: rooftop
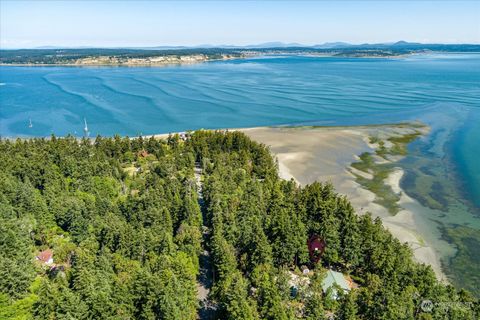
334 277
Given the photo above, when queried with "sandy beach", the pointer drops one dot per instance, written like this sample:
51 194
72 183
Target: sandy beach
309 154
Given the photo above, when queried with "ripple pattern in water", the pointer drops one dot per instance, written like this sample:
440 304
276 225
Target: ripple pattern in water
241 93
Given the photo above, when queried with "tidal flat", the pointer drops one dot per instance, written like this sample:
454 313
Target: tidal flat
377 168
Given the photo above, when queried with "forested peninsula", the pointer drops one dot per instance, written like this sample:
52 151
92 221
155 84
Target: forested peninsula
114 228
158 56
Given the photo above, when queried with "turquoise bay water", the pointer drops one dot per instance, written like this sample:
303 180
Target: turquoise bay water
442 172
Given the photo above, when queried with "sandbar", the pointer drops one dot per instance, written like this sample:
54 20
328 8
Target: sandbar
308 154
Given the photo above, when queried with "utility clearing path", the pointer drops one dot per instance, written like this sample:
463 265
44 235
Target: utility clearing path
205 278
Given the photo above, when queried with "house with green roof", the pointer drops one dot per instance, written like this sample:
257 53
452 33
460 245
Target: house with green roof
335 280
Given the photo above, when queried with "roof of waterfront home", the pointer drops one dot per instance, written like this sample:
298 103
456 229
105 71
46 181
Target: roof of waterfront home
334 277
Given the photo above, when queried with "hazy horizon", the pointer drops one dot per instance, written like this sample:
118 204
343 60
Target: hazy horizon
117 24
209 45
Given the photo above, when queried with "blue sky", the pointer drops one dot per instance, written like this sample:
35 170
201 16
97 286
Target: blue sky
27 24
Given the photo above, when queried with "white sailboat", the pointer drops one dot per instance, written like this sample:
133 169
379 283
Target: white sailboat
85 129
30 124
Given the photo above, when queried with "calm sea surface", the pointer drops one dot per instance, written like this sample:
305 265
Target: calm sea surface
442 172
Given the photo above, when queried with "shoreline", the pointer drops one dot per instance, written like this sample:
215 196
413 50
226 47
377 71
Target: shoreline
309 154
186 62
155 64
250 54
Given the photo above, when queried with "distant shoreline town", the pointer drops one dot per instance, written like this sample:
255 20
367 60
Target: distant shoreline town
182 55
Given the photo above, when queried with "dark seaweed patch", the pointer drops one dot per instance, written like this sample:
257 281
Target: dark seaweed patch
463 267
438 194
426 170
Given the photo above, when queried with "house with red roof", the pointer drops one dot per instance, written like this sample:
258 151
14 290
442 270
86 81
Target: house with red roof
316 247
143 154
45 257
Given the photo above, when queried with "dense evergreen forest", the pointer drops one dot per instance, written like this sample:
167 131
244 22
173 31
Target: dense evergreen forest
123 222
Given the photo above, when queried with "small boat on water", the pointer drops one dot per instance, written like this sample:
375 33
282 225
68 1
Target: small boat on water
30 124
85 129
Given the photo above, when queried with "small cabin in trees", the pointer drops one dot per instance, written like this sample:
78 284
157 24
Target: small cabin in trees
143 154
45 257
316 247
